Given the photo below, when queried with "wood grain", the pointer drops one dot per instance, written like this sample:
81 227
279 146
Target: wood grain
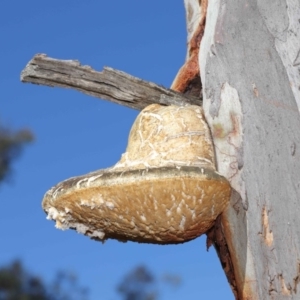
110 84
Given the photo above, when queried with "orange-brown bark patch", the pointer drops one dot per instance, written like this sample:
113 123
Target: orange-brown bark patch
189 74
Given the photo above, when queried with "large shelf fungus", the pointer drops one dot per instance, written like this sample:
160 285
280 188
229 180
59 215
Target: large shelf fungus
164 189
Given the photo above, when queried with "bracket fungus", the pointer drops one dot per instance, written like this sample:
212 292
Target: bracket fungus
164 189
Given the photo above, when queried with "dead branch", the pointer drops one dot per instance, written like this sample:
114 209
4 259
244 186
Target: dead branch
110 84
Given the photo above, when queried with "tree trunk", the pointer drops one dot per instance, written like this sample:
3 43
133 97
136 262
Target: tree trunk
250 72
249 62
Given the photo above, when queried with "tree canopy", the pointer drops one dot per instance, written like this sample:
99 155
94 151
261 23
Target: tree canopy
18 284
11 145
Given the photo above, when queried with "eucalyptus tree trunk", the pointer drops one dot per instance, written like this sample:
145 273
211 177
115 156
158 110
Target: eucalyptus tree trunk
248 54
250 72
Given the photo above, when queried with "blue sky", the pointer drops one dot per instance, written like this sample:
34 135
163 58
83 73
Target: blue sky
76 134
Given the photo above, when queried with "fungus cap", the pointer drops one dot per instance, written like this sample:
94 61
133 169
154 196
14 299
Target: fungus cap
163 190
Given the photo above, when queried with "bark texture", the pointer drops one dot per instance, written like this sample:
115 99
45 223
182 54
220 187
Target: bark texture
249 62
187 80
110 84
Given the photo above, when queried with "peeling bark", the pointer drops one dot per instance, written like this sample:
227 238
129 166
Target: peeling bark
215 236
187 80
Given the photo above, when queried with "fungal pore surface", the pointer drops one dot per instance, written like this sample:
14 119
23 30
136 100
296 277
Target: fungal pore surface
164 189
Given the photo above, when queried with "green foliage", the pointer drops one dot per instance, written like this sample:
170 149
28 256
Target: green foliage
11 145
17 284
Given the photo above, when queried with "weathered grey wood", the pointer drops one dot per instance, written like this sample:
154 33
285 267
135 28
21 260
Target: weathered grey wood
249 62
110 84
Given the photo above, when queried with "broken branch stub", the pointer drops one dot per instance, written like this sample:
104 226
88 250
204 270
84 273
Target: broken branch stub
164 189
110 84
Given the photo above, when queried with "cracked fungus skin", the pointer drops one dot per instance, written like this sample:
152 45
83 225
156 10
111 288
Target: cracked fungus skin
164 190
168 136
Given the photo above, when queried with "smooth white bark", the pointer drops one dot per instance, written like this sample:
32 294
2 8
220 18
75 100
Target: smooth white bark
250 77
